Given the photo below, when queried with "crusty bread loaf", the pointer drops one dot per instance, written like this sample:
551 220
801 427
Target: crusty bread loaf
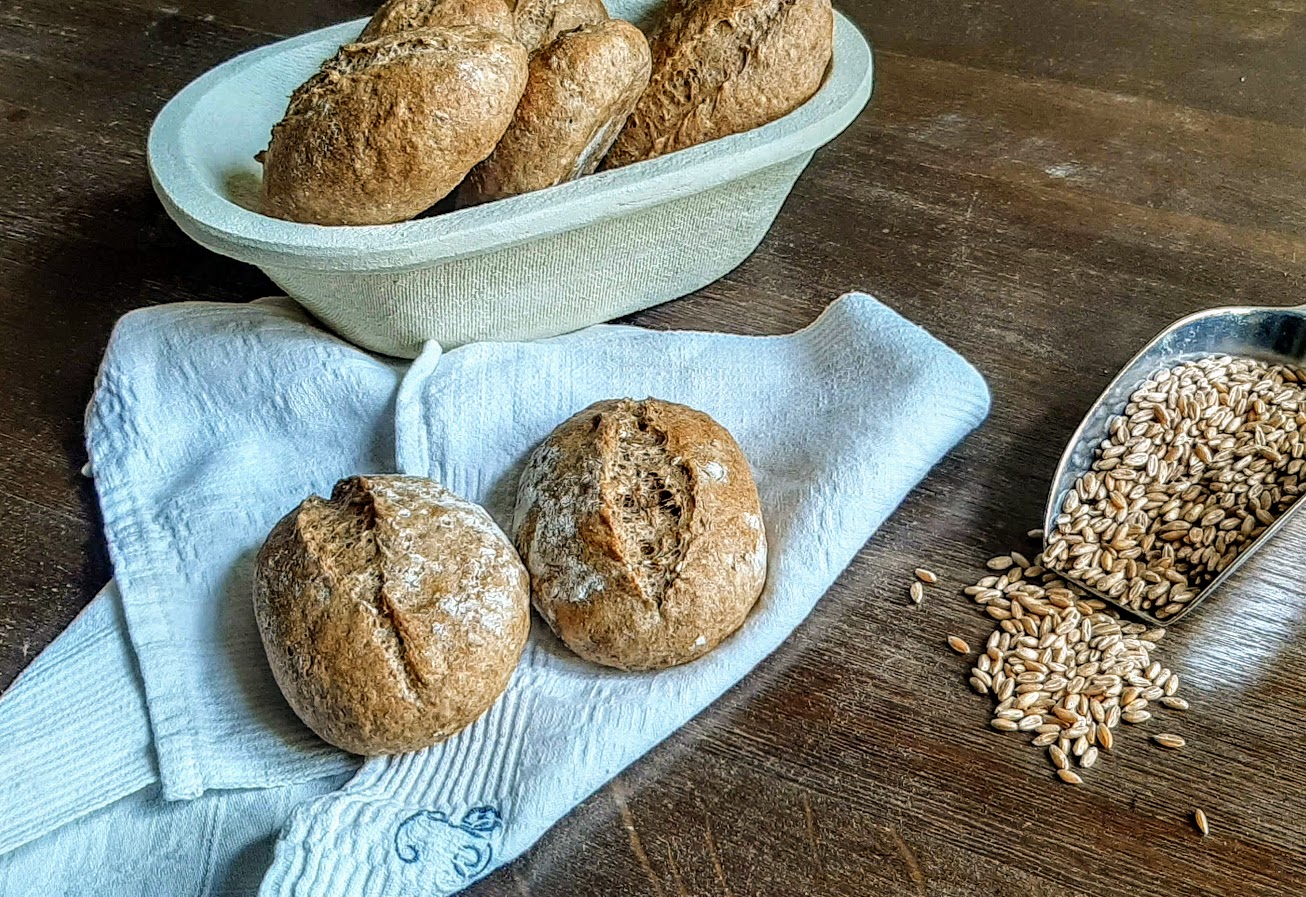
640 525
725 66
392 615
578 93
388 127
405 15
538 22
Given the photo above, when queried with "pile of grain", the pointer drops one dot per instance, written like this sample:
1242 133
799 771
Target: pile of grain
1065 668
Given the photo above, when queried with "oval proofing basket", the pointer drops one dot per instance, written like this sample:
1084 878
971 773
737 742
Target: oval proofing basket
530 266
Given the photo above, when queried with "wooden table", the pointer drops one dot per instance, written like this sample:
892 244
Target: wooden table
1042 185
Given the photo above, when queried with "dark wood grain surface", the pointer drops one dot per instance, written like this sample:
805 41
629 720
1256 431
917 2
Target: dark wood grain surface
1042 185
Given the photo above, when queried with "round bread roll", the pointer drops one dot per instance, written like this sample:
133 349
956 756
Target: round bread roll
392 615
538 22
640 525
725 66
387 128
405 15
578 93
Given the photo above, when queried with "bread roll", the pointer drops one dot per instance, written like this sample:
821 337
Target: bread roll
578 93
392 615
388 127
538 22
640 525
725 66
405 15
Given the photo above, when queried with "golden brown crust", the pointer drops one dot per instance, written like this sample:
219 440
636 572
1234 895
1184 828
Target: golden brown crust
640 525
405 15
578 93
392 615
539 22
387 128
721 67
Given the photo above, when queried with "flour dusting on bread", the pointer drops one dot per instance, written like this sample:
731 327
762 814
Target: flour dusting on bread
392 614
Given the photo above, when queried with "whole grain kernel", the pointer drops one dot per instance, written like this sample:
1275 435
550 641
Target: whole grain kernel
1058 757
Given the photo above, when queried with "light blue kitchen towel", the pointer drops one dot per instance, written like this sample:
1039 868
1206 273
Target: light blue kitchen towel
218 419
208 423
218 845
839 422
74 739
74 733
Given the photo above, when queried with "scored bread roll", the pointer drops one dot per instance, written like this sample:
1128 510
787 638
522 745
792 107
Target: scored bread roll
538 22
392 614
388 127
640 525
721 67
579 90
405 15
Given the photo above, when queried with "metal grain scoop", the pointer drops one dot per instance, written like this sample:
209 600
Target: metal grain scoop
1274 335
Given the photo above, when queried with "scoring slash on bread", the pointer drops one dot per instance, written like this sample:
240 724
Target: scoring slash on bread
406 15
392 614
533 23
721 67
539 22
640 526
388 127
579 91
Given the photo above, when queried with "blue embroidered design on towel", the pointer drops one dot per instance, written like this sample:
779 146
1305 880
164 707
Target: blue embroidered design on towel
467 843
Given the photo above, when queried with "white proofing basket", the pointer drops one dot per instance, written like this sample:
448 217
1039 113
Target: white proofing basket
530 266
